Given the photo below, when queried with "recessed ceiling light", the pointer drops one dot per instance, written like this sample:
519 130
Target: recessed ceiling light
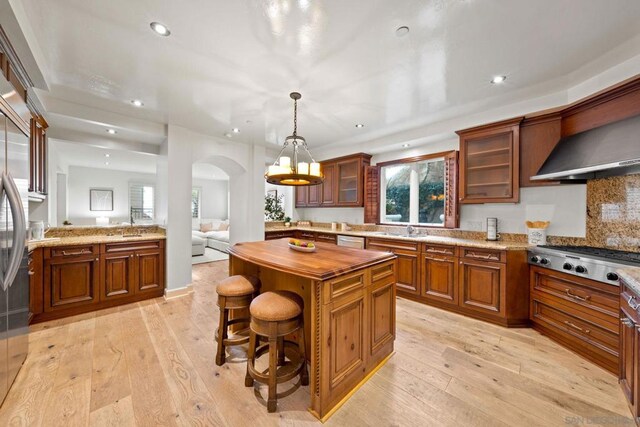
137 103
111 131
406 145
160 29
359 125
402 31
235 130
107 155
498 79
228 135
106 163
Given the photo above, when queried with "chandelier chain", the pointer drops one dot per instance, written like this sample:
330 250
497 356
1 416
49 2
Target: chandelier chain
295 117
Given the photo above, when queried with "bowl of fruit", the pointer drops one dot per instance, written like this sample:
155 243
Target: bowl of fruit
301 245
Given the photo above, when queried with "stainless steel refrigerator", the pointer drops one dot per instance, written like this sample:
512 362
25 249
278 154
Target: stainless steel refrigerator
14 275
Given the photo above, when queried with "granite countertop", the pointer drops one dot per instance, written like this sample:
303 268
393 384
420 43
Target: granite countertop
483 244
631 276
95 239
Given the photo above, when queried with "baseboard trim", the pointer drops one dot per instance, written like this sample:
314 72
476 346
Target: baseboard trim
177 293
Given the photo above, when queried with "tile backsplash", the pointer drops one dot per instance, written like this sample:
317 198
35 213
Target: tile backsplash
613 212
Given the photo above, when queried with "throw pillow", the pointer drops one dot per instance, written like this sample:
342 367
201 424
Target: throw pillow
223 227
206 227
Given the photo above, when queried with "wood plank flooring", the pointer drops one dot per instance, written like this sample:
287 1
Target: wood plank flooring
152 363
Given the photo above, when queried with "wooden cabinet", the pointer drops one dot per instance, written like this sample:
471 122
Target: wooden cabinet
71 281
539 135
408 262
381 296
78 279
311 236
581 314
440 278
490 163
481 286
629 349
272 235
343 184
118 275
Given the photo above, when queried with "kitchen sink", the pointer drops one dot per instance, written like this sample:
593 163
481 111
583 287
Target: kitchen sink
384 233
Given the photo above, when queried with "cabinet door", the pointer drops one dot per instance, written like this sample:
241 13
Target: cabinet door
628 355
481 286
439 279
149 271
349 177
71 282
382 303
328 187
408 271
345 320
118 275
314 197
302 194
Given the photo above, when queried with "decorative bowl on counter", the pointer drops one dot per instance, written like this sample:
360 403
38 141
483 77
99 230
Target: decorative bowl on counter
301 245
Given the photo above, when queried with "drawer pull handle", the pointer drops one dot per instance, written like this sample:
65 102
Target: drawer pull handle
444 251
576 327
475 255
632 305
578 297
627 322
31 272
82 252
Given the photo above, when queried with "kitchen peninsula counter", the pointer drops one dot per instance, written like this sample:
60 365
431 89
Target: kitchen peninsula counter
348 293
92 239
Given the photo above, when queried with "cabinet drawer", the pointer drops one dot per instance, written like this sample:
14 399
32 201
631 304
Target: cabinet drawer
271 235
343 286
383 274
325 237
590 295
131 246
483 254
568 324
71 251
391 245
307 235
439 249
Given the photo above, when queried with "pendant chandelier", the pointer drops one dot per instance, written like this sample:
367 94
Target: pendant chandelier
289 169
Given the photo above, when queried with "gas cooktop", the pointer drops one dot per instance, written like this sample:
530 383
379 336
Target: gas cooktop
615 255
592 263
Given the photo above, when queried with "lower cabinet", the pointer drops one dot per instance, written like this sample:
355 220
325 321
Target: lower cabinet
408 262
440 279
481 286
78 279
630 349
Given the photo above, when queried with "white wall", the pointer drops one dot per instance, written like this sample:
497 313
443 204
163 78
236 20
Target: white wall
214 198
80 180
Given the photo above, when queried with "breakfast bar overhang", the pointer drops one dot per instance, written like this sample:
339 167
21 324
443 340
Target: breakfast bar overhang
349 309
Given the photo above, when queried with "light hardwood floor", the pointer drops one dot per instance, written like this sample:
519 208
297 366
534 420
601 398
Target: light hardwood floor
152 363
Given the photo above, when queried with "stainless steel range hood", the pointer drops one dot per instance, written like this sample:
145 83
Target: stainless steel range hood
609 150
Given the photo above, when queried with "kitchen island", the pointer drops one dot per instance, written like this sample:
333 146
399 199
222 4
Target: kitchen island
349 309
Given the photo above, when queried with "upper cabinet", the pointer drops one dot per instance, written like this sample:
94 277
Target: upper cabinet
343 184
490 163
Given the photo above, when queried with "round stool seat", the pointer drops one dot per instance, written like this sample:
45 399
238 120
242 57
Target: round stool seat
237 286
275 306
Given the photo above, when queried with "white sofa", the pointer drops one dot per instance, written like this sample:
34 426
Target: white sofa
216 239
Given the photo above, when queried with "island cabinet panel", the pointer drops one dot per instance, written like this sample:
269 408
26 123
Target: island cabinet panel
382 313
118 275
481 286
71 282
440 278
79 279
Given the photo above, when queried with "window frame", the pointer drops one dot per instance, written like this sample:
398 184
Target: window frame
450 183
142 184
199 190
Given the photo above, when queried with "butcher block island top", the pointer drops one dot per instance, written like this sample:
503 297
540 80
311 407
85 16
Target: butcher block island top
349 309
326 262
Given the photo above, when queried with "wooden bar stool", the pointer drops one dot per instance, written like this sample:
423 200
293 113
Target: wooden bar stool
273 316
235 292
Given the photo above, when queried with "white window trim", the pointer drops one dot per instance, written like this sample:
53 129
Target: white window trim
199 202
145 184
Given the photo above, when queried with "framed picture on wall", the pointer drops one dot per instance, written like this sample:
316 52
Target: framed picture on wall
100 199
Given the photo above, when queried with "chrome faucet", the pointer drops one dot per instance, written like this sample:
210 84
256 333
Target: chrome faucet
410 229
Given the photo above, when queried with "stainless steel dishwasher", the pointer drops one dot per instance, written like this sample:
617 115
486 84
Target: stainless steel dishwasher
351 241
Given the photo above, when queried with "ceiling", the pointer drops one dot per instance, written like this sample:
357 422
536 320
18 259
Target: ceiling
232 64
84 155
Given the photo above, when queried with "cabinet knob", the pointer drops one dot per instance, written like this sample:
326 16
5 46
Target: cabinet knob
97 259
131 255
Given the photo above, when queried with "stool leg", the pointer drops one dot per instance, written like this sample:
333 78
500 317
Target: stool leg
251 358
273 368
222 331
304 374
281 351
